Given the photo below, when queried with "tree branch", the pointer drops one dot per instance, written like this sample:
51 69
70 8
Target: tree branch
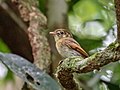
79 65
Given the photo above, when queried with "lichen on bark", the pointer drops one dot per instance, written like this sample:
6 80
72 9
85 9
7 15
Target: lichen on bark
79 65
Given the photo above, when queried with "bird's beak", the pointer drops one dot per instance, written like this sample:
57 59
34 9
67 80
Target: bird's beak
52 33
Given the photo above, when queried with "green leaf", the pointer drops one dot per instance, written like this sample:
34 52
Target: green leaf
87 10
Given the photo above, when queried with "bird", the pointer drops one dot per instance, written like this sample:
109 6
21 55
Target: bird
66 45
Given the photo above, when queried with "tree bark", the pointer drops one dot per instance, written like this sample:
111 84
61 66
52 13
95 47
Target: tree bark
117 8
37 32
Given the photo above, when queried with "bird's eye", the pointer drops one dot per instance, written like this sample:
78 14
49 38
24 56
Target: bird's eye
62 32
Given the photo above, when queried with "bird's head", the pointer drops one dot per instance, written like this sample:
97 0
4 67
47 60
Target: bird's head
60 33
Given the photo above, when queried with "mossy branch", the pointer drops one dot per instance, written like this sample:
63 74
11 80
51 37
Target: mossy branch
79 65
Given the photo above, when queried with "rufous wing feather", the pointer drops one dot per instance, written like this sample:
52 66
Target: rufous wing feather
74 45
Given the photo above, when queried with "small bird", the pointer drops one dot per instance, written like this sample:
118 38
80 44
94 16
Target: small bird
66 45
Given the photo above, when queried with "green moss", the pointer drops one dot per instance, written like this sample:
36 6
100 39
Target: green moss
113 45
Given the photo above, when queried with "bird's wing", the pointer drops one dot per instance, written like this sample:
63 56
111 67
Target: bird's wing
71 43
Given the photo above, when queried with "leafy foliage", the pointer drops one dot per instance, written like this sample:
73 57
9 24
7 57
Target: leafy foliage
89 20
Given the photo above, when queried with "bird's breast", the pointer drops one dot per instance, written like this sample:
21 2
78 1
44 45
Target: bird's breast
65 51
